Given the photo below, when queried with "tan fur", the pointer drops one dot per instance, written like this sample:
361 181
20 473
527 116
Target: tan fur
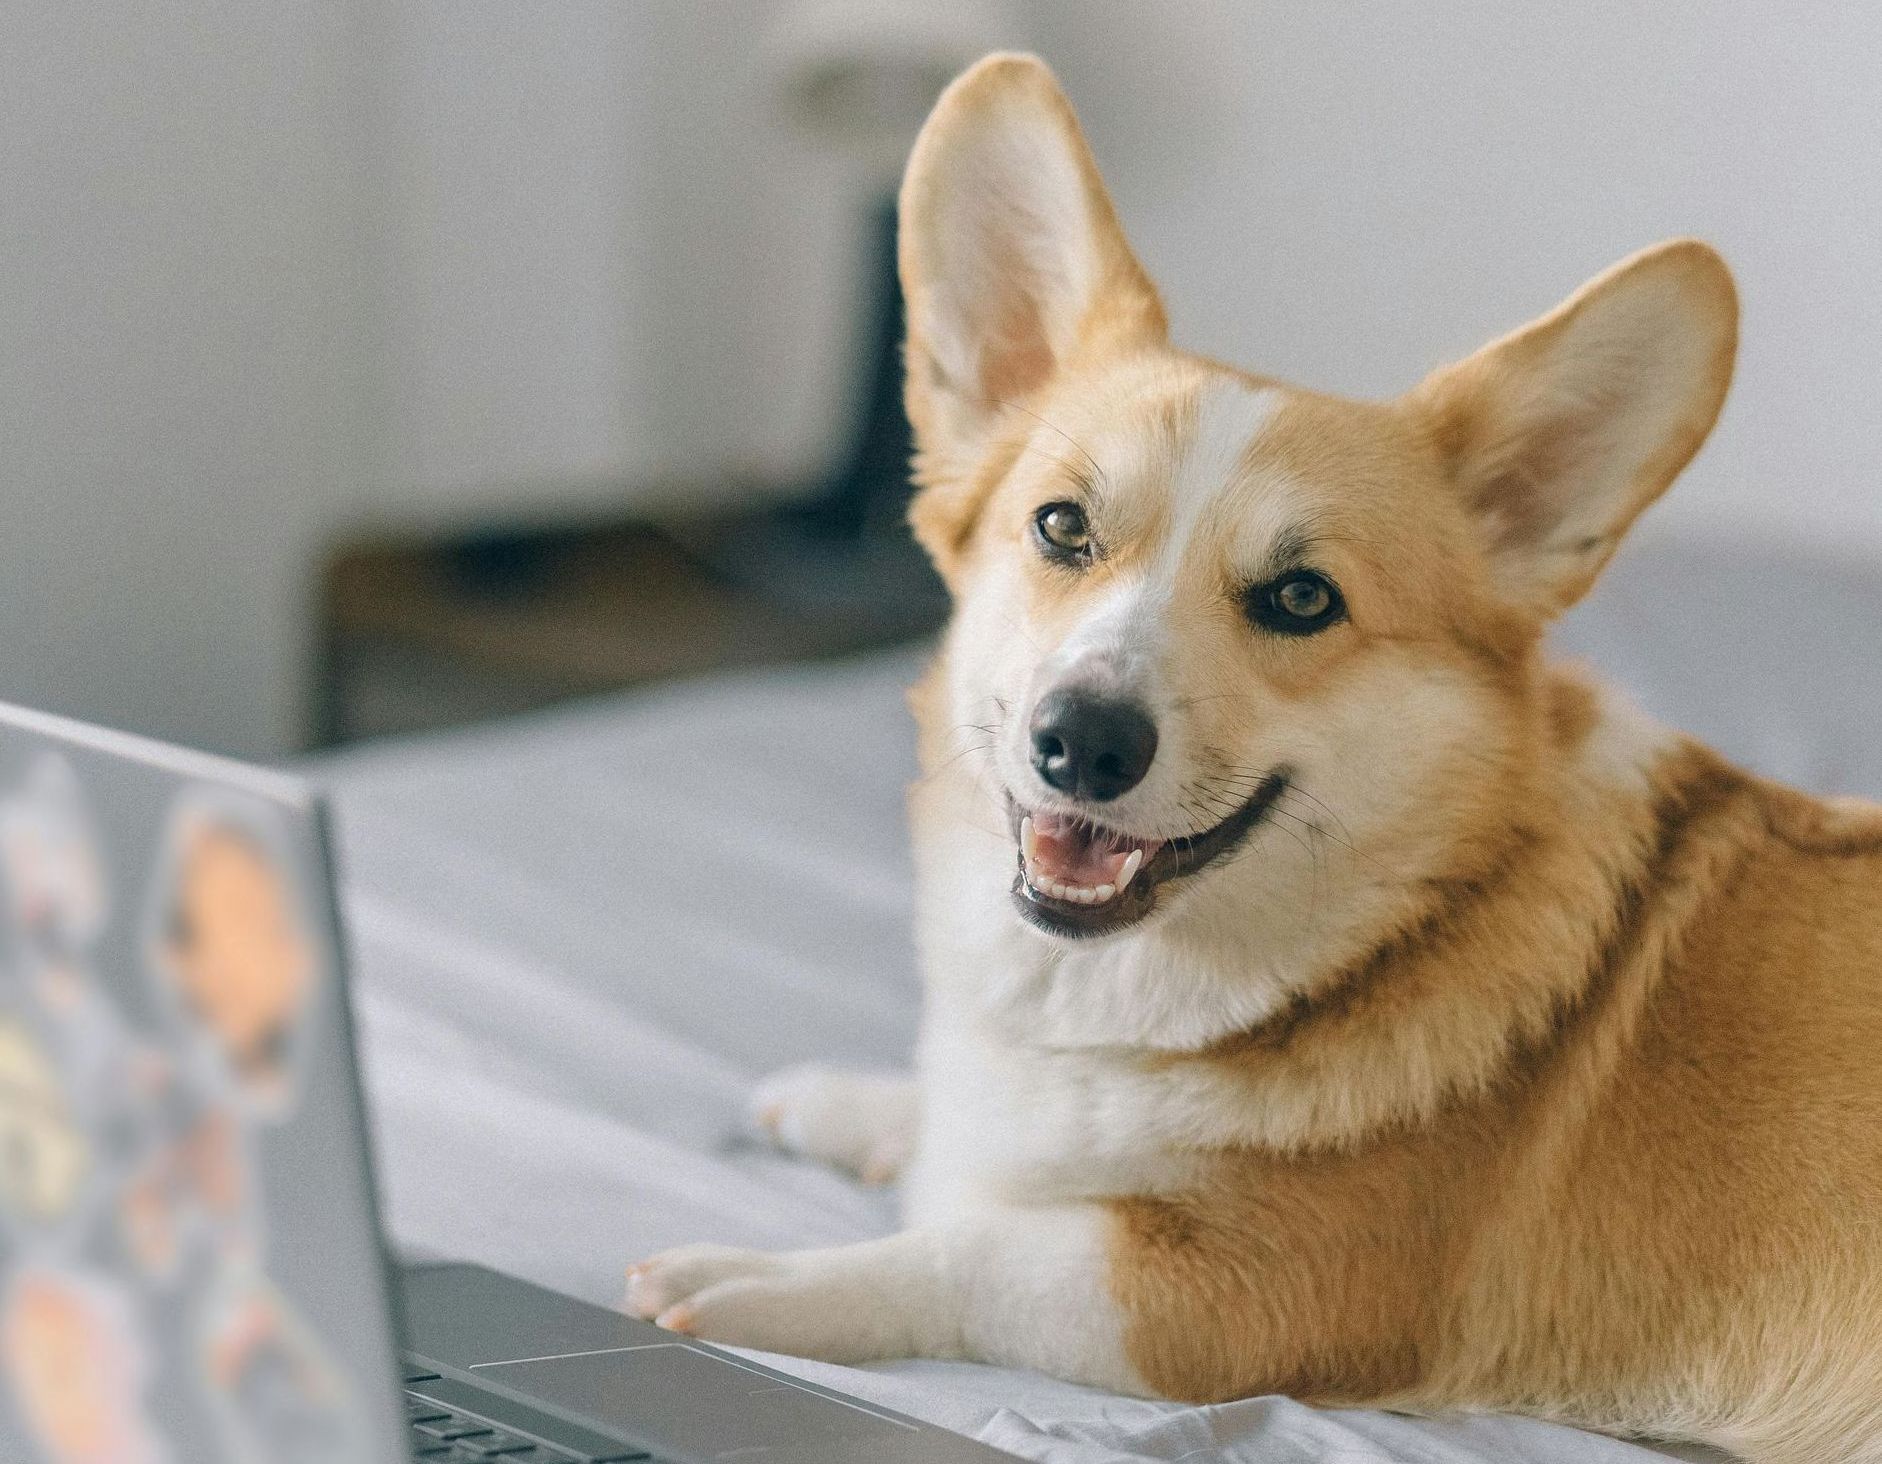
1574 1101
1651 1203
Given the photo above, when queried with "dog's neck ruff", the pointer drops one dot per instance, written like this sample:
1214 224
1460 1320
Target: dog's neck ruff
1496 974
1456 983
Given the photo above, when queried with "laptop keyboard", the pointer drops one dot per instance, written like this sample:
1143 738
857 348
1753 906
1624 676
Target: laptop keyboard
465 1428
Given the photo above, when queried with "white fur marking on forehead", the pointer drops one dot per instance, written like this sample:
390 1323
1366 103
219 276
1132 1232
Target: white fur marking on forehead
1107 633
1229 417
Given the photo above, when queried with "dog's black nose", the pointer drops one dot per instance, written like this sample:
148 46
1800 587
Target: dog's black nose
1090 746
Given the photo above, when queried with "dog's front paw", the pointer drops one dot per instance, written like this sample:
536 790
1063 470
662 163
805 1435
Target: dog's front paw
859 1121
792 1302
672 1289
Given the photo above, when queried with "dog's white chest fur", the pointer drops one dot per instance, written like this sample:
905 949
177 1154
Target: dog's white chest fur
1033 1087
1005 1123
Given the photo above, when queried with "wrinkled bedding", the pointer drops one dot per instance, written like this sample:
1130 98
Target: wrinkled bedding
580 937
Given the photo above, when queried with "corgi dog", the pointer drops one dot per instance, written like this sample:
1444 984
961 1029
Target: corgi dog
1326 993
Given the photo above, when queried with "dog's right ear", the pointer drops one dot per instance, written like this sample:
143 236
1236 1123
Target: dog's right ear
1013 267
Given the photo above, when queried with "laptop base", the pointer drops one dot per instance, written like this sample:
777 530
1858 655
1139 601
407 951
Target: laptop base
533 1361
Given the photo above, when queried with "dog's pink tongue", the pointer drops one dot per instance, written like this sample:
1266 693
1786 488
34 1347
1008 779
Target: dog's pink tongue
1073 853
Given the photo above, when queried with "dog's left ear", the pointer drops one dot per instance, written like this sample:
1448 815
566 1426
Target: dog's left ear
1560 434
1013 267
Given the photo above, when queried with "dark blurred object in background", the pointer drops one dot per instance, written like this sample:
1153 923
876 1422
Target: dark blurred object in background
846 545
418 635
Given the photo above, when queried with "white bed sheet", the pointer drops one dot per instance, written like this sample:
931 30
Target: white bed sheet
581 937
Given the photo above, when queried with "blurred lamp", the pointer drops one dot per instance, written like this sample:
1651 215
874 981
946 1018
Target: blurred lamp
860 75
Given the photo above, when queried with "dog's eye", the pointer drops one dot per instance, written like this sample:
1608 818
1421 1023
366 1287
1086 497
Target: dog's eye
1296 604
1062 532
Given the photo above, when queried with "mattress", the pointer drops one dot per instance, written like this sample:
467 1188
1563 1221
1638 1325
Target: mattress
581 937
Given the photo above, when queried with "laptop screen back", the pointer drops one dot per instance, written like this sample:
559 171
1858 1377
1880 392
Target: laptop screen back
189 1265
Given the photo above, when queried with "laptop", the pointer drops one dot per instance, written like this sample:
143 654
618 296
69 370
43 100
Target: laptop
191 1269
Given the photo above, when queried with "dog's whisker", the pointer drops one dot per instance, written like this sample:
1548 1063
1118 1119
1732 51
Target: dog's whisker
1378 865
1321 804
1305 847
942 767
1184 703
1083 451
1072 469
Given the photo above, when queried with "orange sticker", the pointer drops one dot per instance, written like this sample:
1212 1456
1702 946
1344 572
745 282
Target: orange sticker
234 948
77 1370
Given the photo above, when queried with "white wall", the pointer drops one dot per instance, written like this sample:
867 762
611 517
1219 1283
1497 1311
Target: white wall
180 355
1348 194
611 273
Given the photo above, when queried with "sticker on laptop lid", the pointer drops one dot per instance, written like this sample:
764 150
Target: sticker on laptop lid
55 888
77 1369
188 1187
275 1392
233 949
46 1155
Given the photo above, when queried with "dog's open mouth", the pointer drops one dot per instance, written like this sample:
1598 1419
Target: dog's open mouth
1080 878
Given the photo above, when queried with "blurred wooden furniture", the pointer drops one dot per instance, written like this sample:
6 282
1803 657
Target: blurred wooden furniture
418 635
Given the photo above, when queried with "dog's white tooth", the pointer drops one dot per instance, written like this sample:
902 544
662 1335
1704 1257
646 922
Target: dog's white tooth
1129 871
1083 895
1105 891
1028 840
